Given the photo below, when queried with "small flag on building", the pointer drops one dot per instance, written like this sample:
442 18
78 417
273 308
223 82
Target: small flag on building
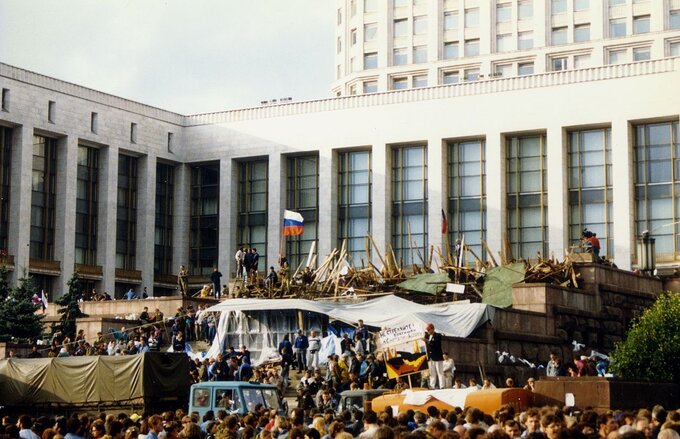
43 299
445 223
293 223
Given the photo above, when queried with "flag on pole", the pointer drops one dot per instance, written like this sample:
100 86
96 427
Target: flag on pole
445 223
293 223
43 299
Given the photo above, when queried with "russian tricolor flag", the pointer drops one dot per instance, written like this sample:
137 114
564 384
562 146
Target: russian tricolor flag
293 223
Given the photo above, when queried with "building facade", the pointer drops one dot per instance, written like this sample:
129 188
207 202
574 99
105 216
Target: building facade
400 44
525 161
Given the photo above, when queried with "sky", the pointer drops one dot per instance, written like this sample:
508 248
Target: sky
187 56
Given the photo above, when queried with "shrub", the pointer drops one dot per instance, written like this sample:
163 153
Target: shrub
651 349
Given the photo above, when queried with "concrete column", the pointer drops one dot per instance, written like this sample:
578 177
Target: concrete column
623 204
106 216
146 219
558 208
381 220
496 220
181 217
233 176
485 22
227 227
541 30
20 200
328 203
277 201
65 212
436 196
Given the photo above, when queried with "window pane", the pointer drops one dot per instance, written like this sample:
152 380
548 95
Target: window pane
641 54
581 61
419 54
400 57
370 61
525 40
370 32
472 17
582 33
641 24
617 56
503 70
420 25
559 6
451 50
525 69
471 47
559 35
674 49
419 81
581 5
503 42
450 20
370 86
400 28
525 9
451 78
617 27
674 22
471 74
559 64
503 12
399 83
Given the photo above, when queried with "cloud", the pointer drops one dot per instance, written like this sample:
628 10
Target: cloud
182 55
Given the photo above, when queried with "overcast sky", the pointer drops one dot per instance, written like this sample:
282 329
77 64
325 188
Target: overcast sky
188 56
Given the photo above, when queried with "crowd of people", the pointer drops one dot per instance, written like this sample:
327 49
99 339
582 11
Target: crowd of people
154 333
318 423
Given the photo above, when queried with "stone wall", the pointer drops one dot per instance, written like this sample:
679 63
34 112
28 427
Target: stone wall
547 318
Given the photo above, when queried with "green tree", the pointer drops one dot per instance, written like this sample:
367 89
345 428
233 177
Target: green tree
4 284
18 317
651 349
69 309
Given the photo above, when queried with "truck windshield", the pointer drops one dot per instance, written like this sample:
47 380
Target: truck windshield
271 398
253 397
224 399
353 403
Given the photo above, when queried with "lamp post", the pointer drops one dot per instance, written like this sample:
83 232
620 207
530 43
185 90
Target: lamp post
646 253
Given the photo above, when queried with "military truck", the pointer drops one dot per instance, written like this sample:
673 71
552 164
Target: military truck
151 382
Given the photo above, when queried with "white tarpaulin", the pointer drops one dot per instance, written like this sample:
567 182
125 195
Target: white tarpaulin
453 397
455 320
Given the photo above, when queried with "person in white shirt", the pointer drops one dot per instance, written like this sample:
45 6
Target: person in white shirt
370 425
449 369
314 347
24 425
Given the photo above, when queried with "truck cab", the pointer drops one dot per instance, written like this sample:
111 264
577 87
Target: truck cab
358 399
235 397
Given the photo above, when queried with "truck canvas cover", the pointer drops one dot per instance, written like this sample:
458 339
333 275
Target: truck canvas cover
93 380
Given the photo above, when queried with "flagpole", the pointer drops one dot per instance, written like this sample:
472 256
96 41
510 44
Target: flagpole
281 239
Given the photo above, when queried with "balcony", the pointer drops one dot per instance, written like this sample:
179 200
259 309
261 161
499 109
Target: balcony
93 272
169 279
44 266
134 276
6 260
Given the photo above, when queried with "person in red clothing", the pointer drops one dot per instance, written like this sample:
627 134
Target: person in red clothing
592 243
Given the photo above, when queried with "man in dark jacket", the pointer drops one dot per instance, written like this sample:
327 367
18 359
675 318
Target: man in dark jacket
286 352
301 345
215 279
435 357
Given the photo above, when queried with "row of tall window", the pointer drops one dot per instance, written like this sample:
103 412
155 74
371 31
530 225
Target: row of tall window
656 175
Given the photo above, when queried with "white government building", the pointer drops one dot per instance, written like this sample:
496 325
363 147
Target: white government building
524 120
